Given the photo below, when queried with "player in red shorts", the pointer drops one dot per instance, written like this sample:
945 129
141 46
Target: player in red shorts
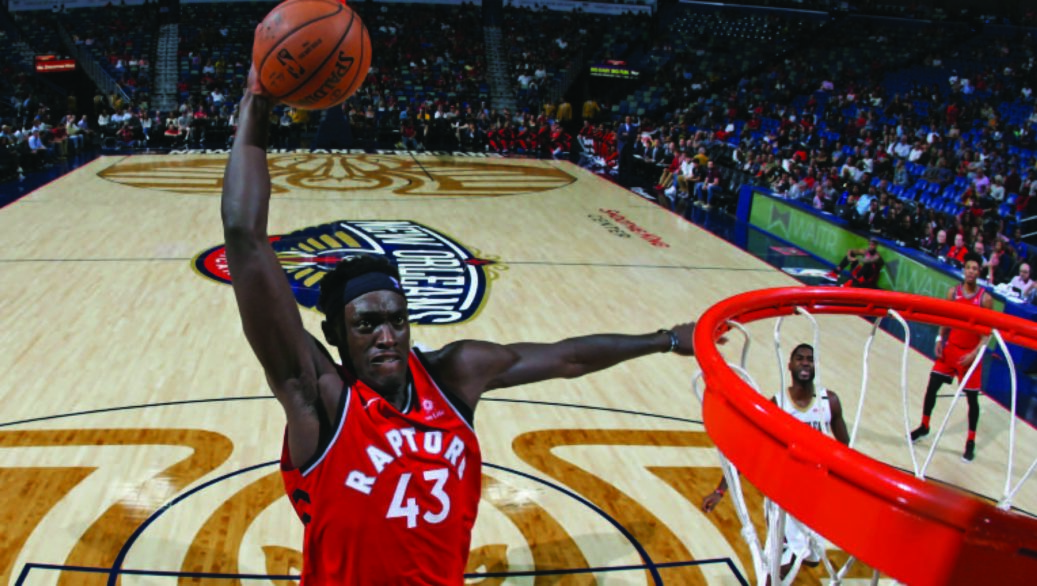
380 458
956 355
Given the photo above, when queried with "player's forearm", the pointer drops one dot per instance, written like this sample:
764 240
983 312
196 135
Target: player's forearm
588 354
246 181
982 343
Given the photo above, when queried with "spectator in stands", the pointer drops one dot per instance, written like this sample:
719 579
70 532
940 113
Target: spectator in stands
74 132
408 135
904 231
689 177
144 121
127 136
626 135
981 183
183 125
655 153
37 149
996 195
172 131
940 248
1000 264
285 128
1021 284
956 253
873 220
1013 181
565 113
591 110
900 175
708 187
666 187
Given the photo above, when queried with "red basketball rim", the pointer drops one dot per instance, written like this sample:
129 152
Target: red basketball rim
914 531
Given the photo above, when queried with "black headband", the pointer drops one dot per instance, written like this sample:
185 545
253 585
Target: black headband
369 282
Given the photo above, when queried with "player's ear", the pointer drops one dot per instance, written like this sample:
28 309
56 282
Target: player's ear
330 332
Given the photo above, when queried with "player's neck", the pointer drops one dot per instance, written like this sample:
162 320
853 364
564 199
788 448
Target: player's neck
400 397
969 288
801 392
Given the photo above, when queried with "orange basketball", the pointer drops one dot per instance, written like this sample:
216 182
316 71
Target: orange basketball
312 54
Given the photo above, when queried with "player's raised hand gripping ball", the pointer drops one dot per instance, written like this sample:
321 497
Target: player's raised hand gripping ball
311 54
253 84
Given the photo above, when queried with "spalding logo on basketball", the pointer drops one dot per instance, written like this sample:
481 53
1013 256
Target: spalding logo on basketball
311 54
444 281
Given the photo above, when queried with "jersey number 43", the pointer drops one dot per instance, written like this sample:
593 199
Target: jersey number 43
407 507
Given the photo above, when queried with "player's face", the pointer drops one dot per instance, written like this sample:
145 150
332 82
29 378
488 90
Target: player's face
971 271
801 365
378 338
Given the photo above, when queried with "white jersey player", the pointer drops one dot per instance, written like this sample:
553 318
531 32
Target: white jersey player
817 407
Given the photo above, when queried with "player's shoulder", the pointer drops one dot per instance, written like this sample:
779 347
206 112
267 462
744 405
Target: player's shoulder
462 360
986 299
457 353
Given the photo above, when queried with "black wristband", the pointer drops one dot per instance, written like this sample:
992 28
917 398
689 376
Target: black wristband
674 340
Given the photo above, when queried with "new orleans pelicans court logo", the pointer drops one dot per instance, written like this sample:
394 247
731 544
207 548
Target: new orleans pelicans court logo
445 282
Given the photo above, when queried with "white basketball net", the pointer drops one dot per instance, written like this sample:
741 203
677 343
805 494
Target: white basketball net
767 558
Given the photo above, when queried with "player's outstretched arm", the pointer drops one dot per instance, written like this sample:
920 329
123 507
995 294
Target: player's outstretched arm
838 423
470 368
268 309
986 303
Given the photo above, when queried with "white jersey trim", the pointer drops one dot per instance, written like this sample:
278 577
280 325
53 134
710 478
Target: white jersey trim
338 432
820 400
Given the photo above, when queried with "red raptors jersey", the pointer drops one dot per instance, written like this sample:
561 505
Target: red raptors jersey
962 338
393 497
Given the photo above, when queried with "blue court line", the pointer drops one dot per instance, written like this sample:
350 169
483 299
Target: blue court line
116 569
113 575
516 574
266 397
651 567
591 408
162 573
131 407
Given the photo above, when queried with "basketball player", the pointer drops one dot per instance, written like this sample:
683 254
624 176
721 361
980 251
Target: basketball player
956 350
865 265
380 458
818 408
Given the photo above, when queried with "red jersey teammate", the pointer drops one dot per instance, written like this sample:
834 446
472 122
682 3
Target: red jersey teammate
380 459
954 357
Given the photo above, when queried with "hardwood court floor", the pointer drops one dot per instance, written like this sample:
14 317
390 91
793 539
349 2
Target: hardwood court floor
138 439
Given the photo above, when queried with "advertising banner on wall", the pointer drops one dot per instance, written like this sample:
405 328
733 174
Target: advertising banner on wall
617 69
52 64
17 5
831 241
588 7
451 2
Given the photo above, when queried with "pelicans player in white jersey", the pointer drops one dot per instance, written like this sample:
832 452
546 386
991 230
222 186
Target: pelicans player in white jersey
817 407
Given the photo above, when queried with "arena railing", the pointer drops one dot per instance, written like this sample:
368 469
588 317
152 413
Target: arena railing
91 67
